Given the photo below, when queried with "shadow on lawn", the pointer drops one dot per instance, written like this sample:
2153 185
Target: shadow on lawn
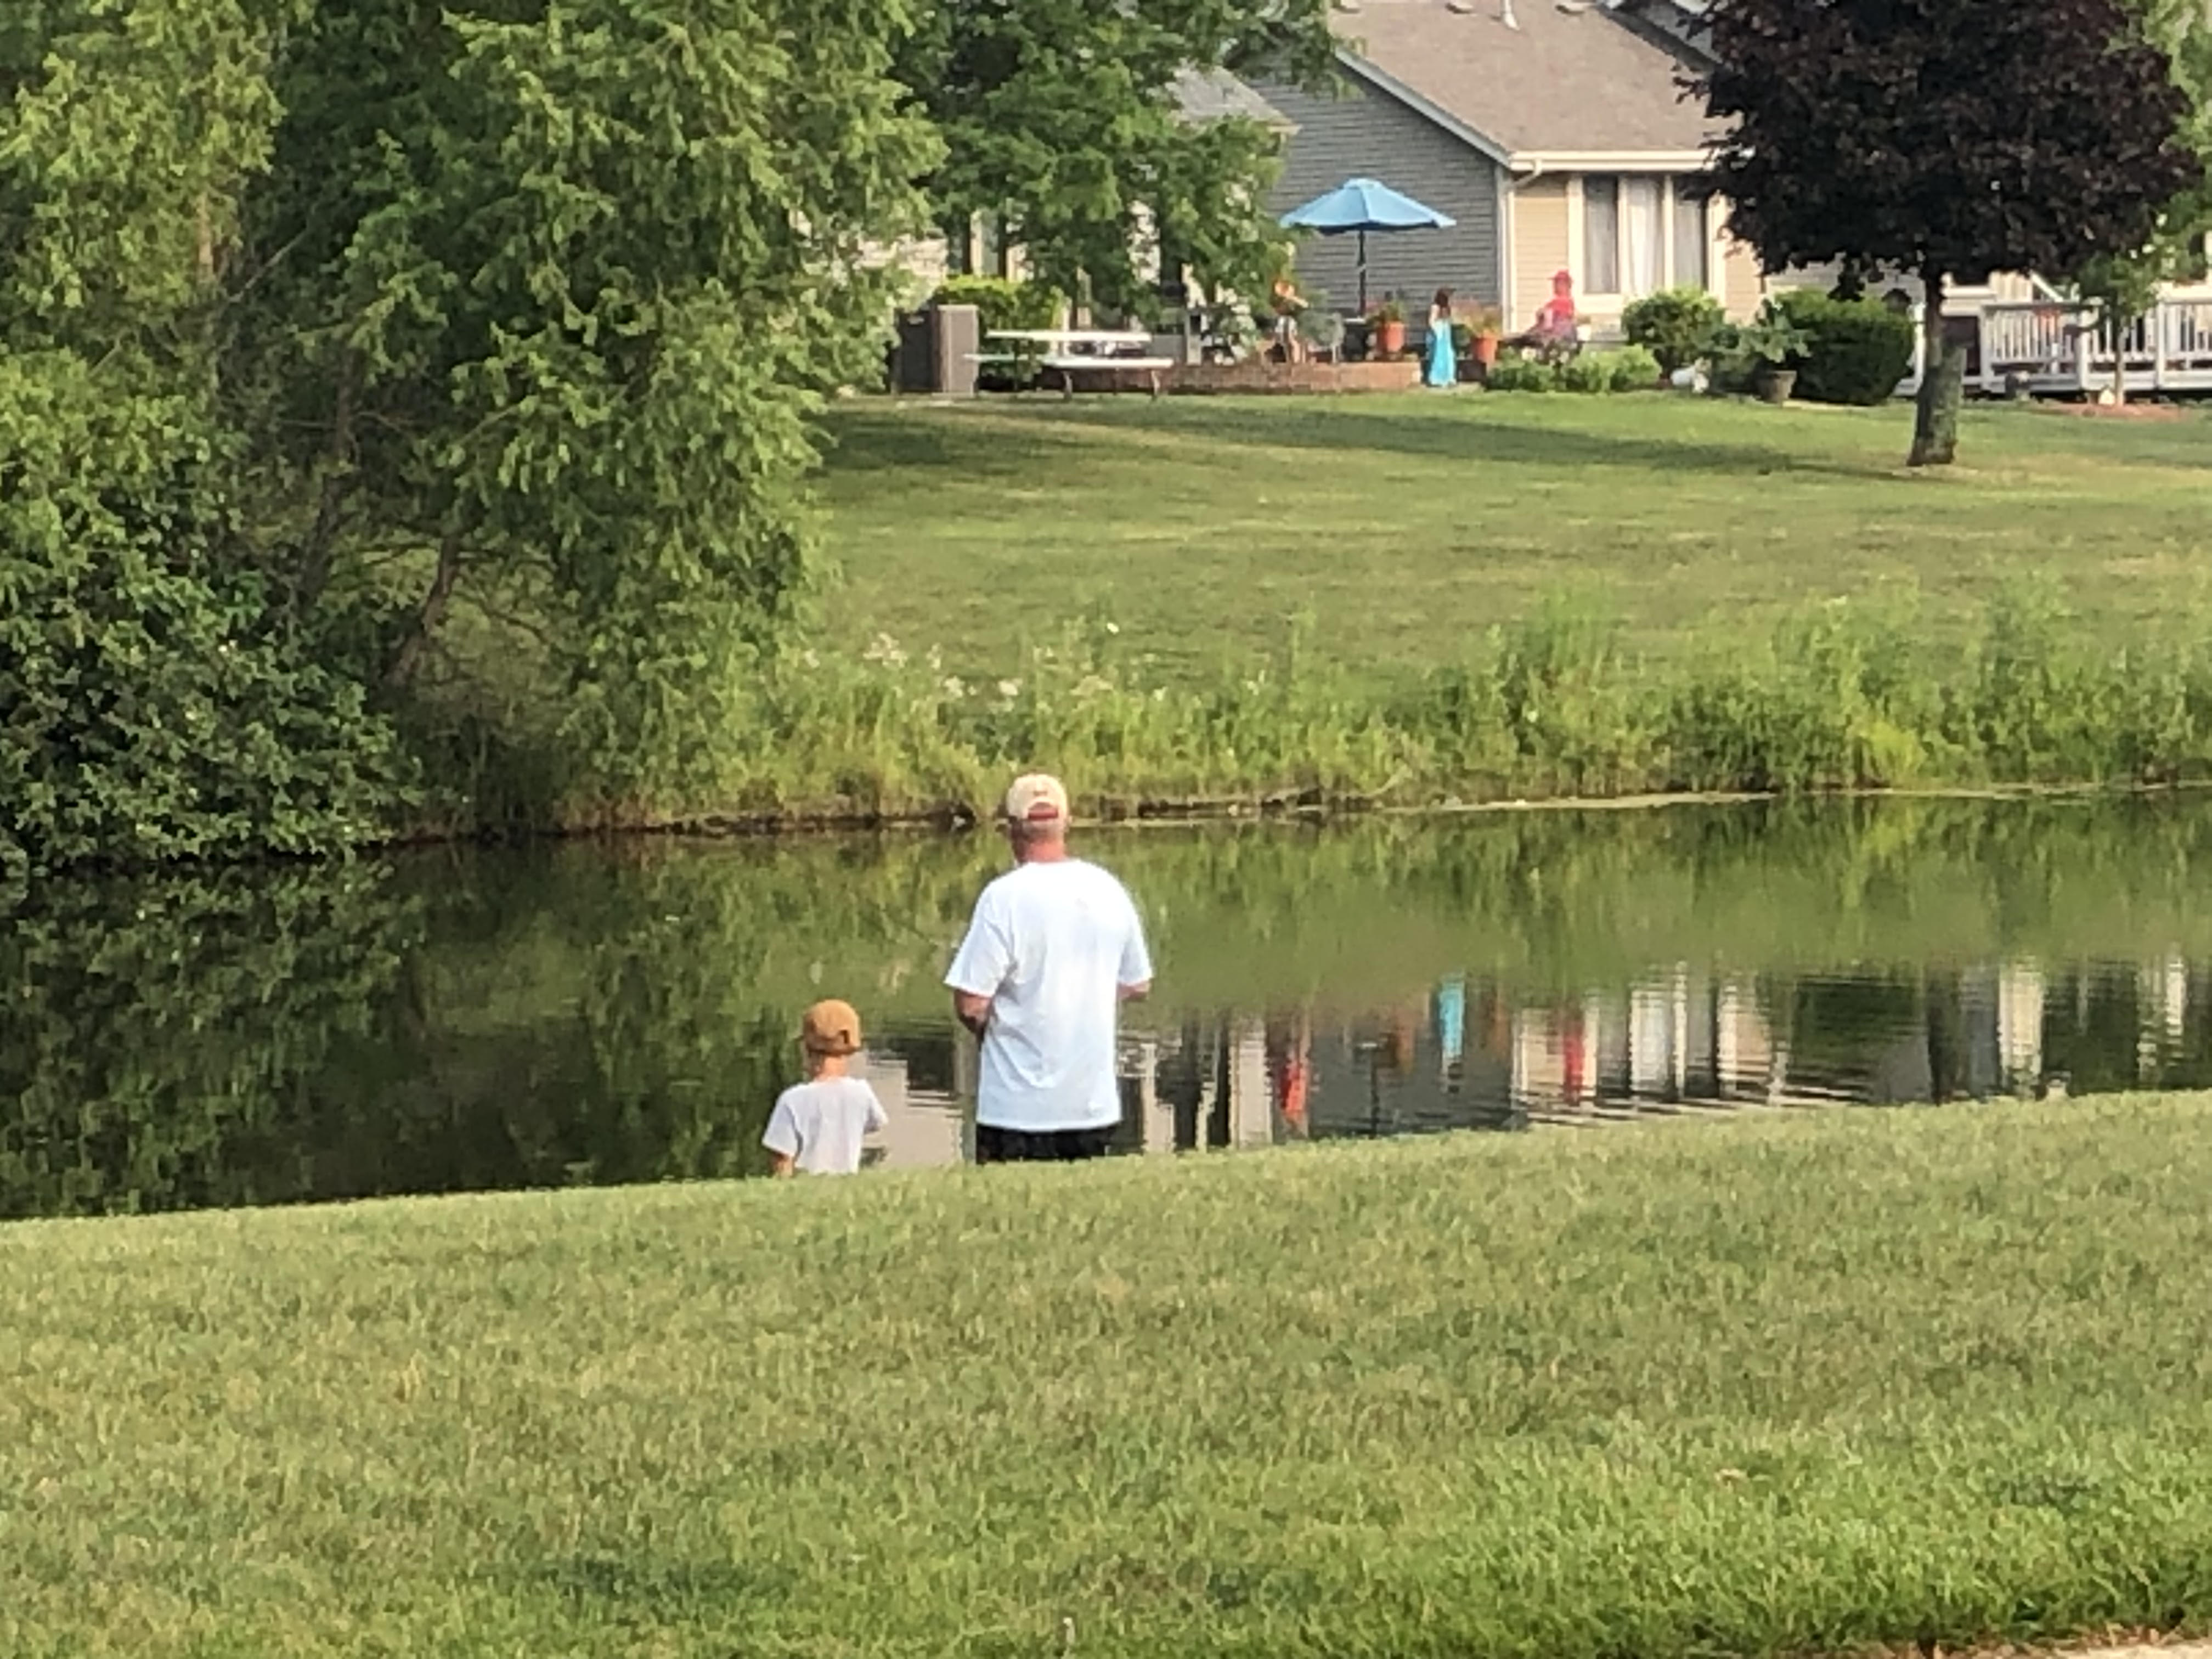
1002 442
1466 435
609 1578
1011 441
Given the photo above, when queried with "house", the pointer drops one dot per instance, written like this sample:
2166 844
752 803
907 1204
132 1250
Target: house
1557 134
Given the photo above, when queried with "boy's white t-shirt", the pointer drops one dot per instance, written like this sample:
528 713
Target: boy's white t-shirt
820 1125
1052 945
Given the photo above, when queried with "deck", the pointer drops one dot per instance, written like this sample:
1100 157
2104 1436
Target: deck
2054 350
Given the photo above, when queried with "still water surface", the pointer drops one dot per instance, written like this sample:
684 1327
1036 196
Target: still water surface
593 1015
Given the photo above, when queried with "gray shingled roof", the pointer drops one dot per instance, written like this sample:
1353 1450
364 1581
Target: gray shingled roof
1215 94
1570 76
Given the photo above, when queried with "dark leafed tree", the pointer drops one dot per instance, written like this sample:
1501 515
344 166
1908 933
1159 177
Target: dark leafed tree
1062 120
1952 138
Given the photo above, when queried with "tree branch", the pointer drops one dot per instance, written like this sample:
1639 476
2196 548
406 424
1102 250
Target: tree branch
314 574
435 603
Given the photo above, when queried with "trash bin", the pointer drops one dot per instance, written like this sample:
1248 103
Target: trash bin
935 354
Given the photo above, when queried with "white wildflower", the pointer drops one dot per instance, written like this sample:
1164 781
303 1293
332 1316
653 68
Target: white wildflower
1009 687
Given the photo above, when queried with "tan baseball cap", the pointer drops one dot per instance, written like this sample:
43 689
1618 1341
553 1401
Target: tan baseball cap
1037 798
831 1028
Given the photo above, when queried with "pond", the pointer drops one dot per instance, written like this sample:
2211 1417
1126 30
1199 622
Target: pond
609 1013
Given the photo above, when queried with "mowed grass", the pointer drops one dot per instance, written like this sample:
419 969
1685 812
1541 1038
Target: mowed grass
1776 1387
1407 526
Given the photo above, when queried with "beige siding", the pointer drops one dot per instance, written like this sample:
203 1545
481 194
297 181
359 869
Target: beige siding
1743 285
1540 247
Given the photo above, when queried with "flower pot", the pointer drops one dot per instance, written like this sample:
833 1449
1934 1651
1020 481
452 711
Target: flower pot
1775 385
1486 349
1390 338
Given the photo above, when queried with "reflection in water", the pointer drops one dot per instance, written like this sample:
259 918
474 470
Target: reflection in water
624 1014
1675 1043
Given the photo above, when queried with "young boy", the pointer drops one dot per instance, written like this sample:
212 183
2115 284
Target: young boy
816 1128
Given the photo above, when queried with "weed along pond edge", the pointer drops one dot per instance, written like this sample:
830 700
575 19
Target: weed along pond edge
1822 1385
1841 699
1125 815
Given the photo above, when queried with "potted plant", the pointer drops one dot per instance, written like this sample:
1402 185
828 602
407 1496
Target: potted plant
1768 343
1386 329
1489 326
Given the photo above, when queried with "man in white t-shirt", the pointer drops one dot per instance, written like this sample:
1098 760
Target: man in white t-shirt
1054 949
816 1128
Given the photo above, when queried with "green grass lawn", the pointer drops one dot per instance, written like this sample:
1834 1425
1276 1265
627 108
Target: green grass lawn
1409 525
1771 1388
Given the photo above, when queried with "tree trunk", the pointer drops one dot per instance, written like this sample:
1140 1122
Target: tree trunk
314 572
435 604
1943 384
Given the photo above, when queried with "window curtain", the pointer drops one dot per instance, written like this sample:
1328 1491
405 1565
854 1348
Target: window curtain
1640 231
1692 244
1600 272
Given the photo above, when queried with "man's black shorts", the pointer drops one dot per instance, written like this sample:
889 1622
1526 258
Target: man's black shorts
996 1145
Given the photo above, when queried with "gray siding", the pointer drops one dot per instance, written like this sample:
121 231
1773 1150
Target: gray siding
1363 134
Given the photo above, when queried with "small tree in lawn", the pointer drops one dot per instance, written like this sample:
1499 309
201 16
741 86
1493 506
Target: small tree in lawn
1954 138
2126 286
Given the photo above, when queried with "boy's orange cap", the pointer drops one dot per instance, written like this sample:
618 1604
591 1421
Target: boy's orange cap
831 1028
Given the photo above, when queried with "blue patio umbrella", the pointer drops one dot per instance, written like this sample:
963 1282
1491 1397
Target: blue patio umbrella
1359 205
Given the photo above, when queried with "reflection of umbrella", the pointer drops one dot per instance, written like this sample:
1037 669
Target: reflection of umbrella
1361 205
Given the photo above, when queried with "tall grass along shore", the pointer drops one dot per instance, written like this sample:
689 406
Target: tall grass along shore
1501 598
1551 707
1790 1388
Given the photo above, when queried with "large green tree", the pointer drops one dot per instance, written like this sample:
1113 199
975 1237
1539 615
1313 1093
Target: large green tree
1062 120
154 702
319 320
1952 138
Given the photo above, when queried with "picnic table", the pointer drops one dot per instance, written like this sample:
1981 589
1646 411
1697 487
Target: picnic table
1068 352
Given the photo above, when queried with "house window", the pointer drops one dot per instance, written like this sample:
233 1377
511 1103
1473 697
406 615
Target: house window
1643 249
1600 235
1692 244
1638 236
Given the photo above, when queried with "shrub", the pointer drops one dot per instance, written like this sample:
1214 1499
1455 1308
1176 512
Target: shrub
1631 369
1591 374
158 697
1857 351
1676 326
1635 368
1003 303
1522 375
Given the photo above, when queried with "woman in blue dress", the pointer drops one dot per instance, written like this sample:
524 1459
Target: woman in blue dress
1444 354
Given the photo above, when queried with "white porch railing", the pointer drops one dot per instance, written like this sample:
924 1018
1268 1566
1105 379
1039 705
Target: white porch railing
2054 349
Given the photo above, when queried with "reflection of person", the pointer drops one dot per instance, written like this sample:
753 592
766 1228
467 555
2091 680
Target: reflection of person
1290 1069
816 1128
1451 1025
1399 1036
1443 351
1053 951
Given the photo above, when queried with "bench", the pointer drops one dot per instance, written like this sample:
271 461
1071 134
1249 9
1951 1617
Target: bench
1070 352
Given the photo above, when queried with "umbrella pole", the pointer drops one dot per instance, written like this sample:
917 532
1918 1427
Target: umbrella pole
1363 273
